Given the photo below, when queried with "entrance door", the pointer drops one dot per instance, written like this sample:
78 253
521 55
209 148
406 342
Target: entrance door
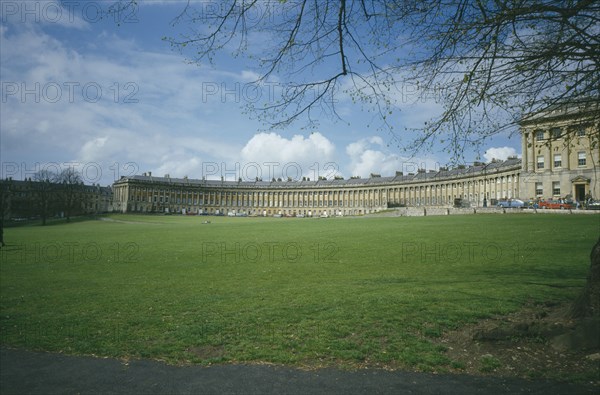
580 192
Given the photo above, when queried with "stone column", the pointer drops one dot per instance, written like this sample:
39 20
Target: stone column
531 154
524 163
550 158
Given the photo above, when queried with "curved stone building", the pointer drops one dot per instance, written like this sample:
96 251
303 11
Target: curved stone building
560 158
355 196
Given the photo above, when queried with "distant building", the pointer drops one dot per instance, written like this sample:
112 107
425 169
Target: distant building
21 199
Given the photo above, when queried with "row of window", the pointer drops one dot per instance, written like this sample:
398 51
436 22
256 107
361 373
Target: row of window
539 188
249 201
413 201
581 160
142 193
556 133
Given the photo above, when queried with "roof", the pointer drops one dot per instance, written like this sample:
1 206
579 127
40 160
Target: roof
585 109
442 174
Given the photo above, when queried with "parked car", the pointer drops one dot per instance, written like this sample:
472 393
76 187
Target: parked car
593 204
511 203
555 204
461 203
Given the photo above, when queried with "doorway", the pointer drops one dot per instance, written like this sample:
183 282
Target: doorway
580 192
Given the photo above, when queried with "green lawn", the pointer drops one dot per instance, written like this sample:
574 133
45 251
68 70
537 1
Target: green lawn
316 292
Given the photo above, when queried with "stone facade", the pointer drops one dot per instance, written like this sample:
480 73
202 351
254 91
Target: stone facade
560 158
561 155
355 196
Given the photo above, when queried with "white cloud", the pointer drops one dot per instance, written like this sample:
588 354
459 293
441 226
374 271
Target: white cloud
173 126
166 127
501 153
174 167
92 150
369 155
274 153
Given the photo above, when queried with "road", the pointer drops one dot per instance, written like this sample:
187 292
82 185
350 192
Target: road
26 372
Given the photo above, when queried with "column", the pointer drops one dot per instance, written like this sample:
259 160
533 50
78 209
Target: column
524 163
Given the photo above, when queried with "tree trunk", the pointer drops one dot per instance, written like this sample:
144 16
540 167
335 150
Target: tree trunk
588 302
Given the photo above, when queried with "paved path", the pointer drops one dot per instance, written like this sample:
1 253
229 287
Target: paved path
25 372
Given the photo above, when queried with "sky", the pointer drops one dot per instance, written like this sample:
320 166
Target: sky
106 95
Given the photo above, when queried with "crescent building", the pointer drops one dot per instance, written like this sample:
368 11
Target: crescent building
560 158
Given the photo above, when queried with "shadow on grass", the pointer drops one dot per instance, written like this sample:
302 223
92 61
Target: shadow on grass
52 221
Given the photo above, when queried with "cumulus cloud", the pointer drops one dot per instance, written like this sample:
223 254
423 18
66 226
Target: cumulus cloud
294 157
178 169
501 153
92 150
369 155
140 113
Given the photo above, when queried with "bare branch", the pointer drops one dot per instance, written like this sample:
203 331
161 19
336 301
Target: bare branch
495 59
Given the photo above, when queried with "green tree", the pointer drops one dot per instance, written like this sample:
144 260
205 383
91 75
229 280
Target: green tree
5 200
71 192
44 193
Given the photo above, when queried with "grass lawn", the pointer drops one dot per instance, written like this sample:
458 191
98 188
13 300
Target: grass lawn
307 292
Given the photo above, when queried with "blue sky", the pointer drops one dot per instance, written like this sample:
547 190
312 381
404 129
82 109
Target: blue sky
111 98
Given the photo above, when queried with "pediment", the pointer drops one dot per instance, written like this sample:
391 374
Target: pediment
580 178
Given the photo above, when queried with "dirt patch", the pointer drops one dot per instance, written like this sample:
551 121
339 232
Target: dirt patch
537 341
207 352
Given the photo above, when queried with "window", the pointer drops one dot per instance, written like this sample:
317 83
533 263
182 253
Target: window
581 131
556 133
539 134
556 187
539 190
581 159
557 160
540 162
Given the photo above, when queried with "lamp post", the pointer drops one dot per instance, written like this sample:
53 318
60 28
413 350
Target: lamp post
485 185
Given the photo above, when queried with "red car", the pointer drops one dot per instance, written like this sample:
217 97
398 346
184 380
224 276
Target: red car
555 204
